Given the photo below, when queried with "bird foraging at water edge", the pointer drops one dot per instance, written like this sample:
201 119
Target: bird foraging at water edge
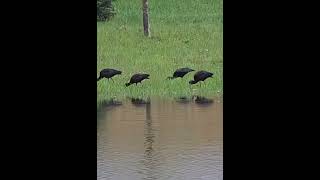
137 78
201 76
180 73
108 73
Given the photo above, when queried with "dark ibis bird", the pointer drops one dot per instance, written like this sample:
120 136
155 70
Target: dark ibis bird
137 78
108 73
200 76
180 73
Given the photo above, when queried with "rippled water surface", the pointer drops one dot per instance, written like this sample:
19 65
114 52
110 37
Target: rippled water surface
160 139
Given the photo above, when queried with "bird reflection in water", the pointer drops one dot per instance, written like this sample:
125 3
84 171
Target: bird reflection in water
140 102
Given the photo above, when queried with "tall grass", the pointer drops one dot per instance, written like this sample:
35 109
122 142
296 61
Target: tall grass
185 33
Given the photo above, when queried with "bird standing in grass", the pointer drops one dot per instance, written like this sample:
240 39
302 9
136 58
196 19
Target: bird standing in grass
201 76
180 73
108 73
137 78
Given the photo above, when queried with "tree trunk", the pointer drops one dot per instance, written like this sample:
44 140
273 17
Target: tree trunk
146 24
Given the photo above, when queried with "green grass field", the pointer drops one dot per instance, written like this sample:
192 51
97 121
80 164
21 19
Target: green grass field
184 33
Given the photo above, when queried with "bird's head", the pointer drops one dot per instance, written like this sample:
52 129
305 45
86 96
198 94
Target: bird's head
192 82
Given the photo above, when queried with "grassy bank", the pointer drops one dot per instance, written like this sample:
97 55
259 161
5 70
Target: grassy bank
185 33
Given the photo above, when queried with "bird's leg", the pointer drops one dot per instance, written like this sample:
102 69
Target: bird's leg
112 79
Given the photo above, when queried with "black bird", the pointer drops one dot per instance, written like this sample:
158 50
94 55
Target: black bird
137 78
108 73
180 73
201 76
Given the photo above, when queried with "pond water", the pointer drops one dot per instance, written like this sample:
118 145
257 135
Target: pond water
160 139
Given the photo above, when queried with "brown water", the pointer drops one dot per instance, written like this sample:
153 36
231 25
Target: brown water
160 139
